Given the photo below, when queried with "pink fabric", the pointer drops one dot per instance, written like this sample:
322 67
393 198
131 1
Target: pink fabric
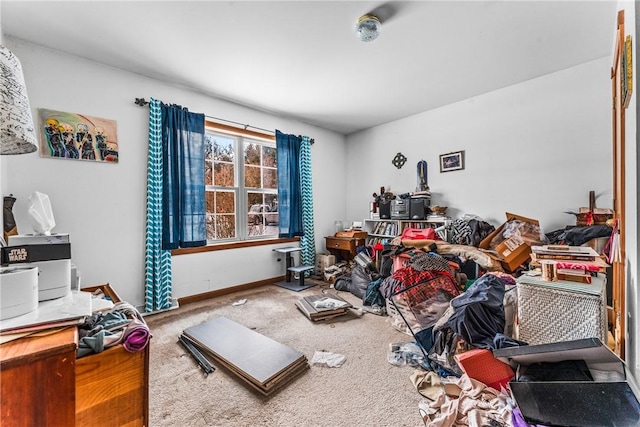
578 266
136 336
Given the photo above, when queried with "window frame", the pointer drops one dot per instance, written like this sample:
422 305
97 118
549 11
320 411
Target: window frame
241 192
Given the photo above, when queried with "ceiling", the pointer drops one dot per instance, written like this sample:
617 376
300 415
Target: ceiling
301 59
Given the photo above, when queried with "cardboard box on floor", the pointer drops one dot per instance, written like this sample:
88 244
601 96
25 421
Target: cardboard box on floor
323 261
611 399
511 252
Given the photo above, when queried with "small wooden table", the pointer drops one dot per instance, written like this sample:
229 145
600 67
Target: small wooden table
344 247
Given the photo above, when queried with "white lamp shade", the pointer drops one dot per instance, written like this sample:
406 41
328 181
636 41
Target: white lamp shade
17 133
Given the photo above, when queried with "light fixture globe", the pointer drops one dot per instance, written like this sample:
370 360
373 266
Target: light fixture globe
368 28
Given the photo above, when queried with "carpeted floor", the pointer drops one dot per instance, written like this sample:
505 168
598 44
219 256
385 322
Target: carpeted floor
367 390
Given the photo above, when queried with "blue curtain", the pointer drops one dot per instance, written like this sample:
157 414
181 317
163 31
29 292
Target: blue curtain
289 189
307 241
184 209
158 280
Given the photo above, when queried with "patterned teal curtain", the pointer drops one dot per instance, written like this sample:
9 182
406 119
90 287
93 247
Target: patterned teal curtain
158 279
307 240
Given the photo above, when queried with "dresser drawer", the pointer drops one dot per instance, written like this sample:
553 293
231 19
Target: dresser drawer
342 244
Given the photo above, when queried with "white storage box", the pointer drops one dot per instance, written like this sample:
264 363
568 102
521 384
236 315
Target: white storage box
19 291
54 278
322 262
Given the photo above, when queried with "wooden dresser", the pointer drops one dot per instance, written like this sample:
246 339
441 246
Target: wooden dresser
43 384
37 386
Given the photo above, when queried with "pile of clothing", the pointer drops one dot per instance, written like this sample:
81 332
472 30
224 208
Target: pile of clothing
121 324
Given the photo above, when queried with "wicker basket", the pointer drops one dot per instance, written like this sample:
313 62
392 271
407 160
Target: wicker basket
551 314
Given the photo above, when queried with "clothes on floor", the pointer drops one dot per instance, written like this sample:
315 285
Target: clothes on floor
463 401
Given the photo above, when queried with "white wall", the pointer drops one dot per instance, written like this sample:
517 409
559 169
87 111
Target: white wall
534 149
102 206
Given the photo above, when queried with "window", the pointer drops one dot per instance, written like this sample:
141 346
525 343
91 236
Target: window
241 179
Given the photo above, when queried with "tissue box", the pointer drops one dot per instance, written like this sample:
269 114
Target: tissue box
37 239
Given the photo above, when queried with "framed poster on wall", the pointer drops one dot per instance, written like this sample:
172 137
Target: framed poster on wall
452 161
77 136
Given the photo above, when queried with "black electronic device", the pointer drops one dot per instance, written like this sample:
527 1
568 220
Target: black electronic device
385 209
419 208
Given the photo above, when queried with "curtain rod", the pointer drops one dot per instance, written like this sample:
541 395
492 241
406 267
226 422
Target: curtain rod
142 102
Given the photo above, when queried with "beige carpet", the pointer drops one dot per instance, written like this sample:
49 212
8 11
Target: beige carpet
365 391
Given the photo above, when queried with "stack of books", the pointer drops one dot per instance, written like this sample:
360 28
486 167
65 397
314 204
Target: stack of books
322 307
573 275
571 263
563 252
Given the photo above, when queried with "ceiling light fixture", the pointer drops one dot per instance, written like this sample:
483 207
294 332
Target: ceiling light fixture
368 28
17 133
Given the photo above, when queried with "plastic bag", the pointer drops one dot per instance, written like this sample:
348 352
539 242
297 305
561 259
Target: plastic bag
41 214
402 354
332 360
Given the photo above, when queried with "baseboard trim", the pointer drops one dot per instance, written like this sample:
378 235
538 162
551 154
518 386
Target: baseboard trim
141 308
219 292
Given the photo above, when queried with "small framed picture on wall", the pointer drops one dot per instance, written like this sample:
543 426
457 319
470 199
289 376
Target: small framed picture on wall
452 161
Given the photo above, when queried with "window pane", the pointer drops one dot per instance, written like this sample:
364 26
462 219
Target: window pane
220 215
251 154
208 146
208 177
268 156
224 175
225 226
252 177
225 202
254 198
269 178
262 218
211 201
262 230
271 200
211 227
223 149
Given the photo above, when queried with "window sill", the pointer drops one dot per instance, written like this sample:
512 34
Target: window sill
233 245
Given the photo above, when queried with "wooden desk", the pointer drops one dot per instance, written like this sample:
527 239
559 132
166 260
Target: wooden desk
343 247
